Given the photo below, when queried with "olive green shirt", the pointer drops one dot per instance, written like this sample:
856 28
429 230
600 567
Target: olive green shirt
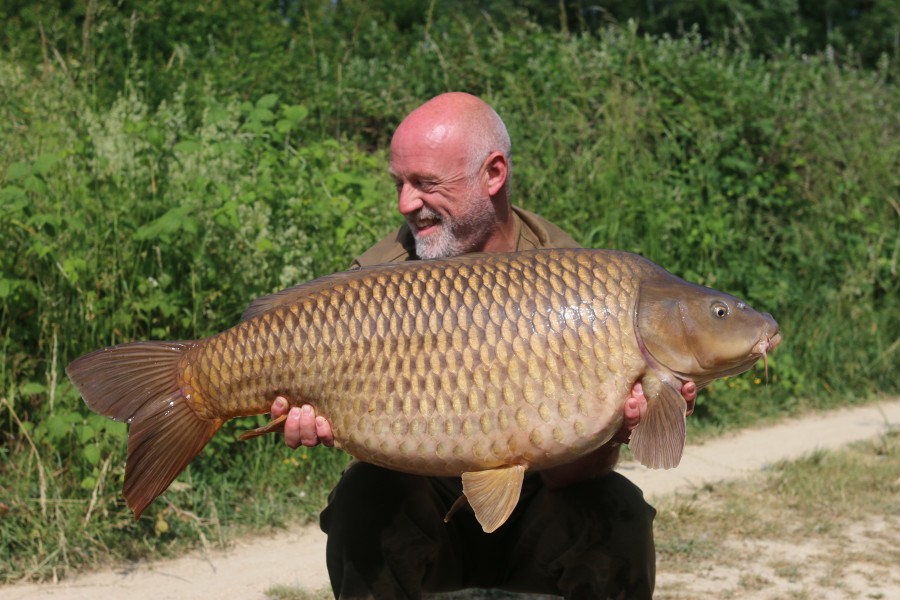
532 231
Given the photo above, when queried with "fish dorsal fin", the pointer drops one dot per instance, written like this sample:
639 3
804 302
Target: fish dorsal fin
493 494
658 440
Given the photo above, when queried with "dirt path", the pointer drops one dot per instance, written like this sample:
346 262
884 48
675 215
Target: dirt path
297 557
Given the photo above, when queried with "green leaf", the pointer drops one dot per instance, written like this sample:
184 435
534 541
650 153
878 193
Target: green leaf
11 192
155 136
187 147
295 113
267 101
92 454
35 184
17 170
57 427
32 387
216 115
88 483
45 162
73 267
116 429
98 422
5 288
86 433
174 219
262 115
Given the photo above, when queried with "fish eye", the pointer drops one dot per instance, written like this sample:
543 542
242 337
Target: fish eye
720 310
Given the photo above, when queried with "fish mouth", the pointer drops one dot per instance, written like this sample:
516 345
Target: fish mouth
764 346
760 349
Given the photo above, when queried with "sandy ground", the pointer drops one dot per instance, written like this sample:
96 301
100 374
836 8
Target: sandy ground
297 557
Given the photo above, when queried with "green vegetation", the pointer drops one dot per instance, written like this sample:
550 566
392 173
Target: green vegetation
159 172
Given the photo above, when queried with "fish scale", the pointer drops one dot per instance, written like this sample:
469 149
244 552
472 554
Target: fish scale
465 337
481 366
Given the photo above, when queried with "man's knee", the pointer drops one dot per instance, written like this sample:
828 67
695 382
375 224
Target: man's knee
616 556
384 532
590 540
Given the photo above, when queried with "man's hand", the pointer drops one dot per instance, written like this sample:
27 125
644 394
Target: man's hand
603 459
636 407
302 426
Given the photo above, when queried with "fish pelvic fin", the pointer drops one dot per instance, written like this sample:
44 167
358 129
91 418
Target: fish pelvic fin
493 494
139 384
658 440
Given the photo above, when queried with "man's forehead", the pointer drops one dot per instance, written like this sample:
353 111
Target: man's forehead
425 158
415 167
423 137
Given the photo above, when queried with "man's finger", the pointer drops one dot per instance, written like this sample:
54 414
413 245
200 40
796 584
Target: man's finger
307 425
632 413
279 407
323 431
689 392
292 428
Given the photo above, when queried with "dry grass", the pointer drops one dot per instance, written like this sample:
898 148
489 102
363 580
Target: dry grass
827 526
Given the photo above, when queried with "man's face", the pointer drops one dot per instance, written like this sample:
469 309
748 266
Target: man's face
447 207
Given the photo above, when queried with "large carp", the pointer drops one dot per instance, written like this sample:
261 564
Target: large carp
481 366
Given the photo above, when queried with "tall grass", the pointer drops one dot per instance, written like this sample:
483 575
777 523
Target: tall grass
141 218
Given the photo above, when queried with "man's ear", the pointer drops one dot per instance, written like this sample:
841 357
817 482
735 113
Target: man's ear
496 169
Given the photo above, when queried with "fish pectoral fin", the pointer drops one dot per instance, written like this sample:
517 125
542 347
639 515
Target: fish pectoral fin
658 440
274 426
493 494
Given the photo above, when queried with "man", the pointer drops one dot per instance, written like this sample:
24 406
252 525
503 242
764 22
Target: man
579 530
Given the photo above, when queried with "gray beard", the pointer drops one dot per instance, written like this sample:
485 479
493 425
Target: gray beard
456 236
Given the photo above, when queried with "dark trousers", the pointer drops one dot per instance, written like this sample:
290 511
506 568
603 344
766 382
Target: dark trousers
387 539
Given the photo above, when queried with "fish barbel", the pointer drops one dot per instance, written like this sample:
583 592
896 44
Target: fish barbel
482 366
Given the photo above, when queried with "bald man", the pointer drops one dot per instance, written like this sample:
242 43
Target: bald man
579 530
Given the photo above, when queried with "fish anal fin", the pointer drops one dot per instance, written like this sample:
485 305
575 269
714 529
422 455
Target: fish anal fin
658 440
493 494
273 426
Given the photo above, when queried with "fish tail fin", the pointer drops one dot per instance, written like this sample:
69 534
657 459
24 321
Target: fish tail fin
140 384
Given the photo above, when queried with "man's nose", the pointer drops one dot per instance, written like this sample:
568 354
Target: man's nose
408 200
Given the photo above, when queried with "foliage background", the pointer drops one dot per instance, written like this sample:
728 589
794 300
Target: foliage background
163 163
